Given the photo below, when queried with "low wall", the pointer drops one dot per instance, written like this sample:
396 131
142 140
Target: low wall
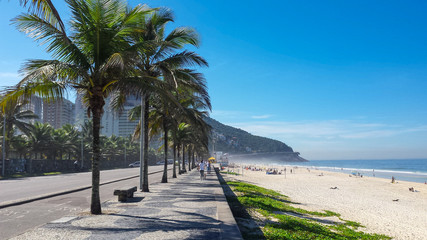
13 166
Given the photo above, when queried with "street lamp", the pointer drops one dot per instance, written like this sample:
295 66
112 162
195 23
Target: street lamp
4 144
82 152
80 129
125 154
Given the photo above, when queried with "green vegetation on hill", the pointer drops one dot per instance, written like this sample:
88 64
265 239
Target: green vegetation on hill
234 140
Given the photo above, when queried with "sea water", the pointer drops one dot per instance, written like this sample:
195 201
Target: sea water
413 170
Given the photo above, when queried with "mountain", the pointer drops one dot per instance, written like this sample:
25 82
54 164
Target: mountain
240 143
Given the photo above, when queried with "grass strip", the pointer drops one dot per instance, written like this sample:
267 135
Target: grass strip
229 173
277 219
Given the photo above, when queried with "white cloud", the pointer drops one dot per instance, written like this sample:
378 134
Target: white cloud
343 139
332 129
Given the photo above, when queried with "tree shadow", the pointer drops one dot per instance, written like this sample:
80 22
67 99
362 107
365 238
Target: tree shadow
194 225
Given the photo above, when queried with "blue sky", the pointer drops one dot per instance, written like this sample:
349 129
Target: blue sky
332 79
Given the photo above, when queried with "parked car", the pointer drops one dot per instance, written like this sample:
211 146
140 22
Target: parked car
170 161
135 164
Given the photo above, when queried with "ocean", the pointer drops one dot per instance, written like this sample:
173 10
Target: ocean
413 170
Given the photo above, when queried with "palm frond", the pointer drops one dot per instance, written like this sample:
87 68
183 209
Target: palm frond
46 9
183 59
179 37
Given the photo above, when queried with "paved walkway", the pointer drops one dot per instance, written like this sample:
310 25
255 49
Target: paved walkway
184 208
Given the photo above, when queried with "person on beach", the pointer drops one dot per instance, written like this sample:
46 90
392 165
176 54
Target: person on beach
202 170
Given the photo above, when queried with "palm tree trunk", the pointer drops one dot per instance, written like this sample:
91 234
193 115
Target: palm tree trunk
97 102
189 158
174 160
145 149
179 159
193 160
183 159
165 169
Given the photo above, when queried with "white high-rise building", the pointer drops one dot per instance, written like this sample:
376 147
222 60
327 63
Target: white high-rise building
80 111
118 123
35 105
112 122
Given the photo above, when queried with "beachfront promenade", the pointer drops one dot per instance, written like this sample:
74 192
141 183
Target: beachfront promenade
184 208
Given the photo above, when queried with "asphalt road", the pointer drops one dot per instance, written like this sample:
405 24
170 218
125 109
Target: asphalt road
15 220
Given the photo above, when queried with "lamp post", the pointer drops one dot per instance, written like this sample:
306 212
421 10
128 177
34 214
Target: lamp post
3 145
82 151
80 129
125 155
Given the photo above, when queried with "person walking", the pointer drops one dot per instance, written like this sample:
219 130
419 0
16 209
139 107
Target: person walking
76 166
202 170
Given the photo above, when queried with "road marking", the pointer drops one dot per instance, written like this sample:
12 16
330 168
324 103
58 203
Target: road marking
63 220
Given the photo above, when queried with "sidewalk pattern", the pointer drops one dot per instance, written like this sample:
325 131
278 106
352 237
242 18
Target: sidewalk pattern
184 208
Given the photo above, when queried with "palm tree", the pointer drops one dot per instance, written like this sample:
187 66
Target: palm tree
64 141
181 133
40 139
74 140
110 147
184 133
199 140
160 118
19 144
87 135
91 60
194 100
158 67
17 116
58 144
174 130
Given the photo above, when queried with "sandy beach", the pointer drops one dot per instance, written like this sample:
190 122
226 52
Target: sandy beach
379 205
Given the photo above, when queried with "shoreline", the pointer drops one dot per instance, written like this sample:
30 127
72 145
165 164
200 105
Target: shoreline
368 200
404 175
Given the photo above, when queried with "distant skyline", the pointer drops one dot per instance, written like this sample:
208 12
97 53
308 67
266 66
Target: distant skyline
332 79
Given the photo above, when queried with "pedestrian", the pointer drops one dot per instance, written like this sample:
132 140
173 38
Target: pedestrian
209 167
76 166
202 170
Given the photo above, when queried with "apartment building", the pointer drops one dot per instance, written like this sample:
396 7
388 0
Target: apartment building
34 104
113 122
58 113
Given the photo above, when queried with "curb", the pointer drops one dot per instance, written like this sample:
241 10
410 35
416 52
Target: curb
228 228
